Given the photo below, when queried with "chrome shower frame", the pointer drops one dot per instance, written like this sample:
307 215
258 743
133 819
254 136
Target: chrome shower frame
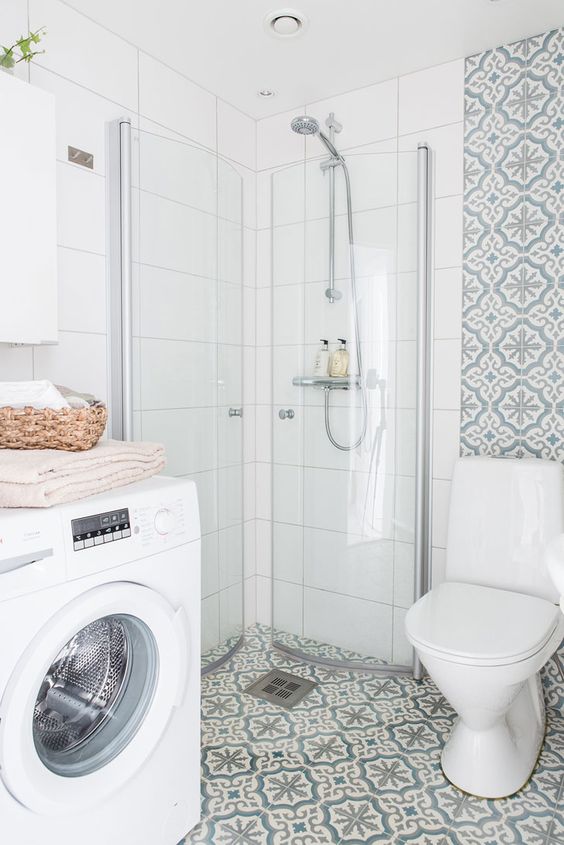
423 461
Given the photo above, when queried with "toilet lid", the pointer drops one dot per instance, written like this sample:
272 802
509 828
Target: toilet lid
481 624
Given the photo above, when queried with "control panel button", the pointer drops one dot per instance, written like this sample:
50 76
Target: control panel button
79 545
117 535
88 542
98 540
164 521
108 538
126 533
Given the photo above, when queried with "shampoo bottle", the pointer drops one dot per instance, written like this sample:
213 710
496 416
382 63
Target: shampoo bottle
321 360
340 360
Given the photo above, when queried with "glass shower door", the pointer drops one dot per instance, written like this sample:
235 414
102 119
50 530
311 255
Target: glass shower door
187 350
344 518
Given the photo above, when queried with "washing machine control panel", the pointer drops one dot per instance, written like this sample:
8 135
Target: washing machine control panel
100 528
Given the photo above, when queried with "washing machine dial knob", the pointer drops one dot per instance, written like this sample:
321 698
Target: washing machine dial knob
164 521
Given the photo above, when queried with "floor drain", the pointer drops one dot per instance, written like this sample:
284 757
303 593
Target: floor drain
281 688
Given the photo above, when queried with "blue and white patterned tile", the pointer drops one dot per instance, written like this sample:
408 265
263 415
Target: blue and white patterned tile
306 824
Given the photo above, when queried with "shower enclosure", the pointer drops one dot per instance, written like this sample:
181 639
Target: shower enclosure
176 340
350 475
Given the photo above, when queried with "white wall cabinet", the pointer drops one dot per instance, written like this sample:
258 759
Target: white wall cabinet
28 227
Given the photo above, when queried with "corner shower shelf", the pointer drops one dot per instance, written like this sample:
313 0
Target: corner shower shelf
328 382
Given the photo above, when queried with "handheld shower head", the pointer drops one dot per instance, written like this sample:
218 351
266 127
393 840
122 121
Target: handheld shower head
305 125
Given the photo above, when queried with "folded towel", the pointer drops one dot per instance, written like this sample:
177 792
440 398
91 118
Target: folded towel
39 479
76 399
31 394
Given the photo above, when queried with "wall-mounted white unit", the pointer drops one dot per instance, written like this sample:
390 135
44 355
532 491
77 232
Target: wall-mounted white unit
28 228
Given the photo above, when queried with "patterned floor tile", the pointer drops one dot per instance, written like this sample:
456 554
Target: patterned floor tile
358 761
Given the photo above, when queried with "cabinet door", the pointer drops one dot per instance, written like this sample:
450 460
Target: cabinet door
28 230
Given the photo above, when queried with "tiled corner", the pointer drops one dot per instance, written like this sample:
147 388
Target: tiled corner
513 285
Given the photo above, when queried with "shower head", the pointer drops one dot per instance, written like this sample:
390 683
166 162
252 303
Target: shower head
305 125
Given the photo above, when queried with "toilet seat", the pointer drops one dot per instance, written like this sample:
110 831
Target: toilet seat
480 626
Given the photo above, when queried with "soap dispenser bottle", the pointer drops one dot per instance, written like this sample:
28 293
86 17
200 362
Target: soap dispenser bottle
322 359
340 360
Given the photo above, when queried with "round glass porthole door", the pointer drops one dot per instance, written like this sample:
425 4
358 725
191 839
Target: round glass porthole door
95 695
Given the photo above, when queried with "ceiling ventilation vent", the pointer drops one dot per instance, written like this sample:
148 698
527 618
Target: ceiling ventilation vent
285 23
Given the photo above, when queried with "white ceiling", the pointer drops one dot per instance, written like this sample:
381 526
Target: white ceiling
223 46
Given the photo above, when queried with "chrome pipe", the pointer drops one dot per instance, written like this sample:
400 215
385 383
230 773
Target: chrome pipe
423 463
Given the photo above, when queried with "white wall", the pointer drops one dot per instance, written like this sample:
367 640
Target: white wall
97 77
392 116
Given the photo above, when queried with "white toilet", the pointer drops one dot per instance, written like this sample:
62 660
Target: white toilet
484 634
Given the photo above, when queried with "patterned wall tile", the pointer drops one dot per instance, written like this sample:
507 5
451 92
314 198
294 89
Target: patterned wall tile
513 287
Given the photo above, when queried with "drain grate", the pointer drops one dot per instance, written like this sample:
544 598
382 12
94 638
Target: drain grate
281 688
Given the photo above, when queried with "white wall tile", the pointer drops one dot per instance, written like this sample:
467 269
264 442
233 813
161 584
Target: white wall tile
288 552
288 607
441 500
446 442
367 114
177 374
173 101
210 564
287 493
250 587
80 50
431 97
448 303
438 566
186 455
446 143
264 546
448 232
177 237
447 370
82 291
81 209
264 600
230 605
176 306
16 363
210 622
288 309
65 362
276 143
236 133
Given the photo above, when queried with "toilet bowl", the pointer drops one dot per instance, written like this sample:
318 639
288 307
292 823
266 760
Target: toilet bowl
486 632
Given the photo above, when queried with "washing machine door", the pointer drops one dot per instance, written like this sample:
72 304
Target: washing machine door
91 697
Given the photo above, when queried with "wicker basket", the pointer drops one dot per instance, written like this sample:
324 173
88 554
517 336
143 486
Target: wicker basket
68 429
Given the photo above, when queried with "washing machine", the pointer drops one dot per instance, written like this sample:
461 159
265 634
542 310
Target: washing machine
100 668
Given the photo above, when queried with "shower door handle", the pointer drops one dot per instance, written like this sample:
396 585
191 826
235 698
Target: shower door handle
289 414
235 412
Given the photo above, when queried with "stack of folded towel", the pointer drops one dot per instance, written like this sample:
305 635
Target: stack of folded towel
39 479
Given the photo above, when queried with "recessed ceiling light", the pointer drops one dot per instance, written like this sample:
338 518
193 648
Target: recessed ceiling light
266 92
285 23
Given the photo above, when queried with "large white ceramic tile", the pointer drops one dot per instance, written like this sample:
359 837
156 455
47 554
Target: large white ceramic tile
179 171
406 387
81 115
375 239
176 306
249 492
287 493
264 495
287 610
264 600
287 362
352 623
288 254
249 316
249 257
264 433
448 303
402 651
210 564
250 548
230 316
82 291
288 552
88 54
210 622
438 566
177 237
264 199
230 190
288 314
431 97
189 437
230 496
288 437
249 433
173 101
250 601
349 564
441 500
13 19
335 499
264 316
65 362
447 151
276 143
446 442
406 287
229 438
230 251
249 375
346 424
236 133
264 547
404 574
367 114
264 258
448 232
231 612
16 363
230 375
324 319
263 375
81 209
446 380
405 440
206 484
230 556
407 238
405 509
177 374
288 195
